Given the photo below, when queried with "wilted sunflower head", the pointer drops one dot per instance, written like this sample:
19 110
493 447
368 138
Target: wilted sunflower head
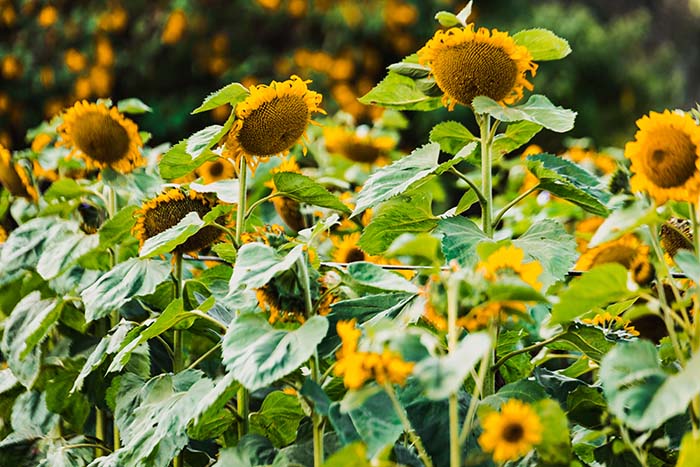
666 157
101 136
676 234
356 147
288 209
218 169
15 177
468 63
272 119
169 208
625 251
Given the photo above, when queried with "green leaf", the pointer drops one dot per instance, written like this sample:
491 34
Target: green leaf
257 264
517 367
126 281
168 240
225 251
689 452
548 242
376 277
407 213
303 189
225 190
400 92
569 181
63 251
74 407
451 136
118 228
25 328
202 140
64 188
538 109
376 422
589 340
278 418
259 354
410 69
230 94
516 135
442 376
555 448
595 288
31 418
525 390
638 390
688 263
396 178
250 451
543 44
176 162
460 237
133 106
624 220
352 455
586 406
58 456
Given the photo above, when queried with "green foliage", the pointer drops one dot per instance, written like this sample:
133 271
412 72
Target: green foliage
543 44
538 109
301 188
400 92
229 94
278 418
177 162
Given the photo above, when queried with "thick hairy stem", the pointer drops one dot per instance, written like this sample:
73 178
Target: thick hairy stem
242 193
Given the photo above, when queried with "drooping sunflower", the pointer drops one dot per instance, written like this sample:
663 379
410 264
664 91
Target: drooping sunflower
676 234
625 251
169 208
287 208
363 148
508 260
512 433
666 157
218 169
101 136
468 63
15 178
271 120
611 323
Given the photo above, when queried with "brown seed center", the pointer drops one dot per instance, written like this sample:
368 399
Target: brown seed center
672 161
623 255
475 69
216 169
101 138
354 255
513 432
274 127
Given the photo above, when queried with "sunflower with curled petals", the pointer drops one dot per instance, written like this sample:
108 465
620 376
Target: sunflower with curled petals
169 208
666 157
271 120
101 136
15 177
467 63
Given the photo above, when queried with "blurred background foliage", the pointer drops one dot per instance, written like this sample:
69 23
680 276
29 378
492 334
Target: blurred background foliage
629 56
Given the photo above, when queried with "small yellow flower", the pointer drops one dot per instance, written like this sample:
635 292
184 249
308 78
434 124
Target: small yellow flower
11 67
666 157
508 260
467 63
611 323
174 28
512 433
75 60
47 16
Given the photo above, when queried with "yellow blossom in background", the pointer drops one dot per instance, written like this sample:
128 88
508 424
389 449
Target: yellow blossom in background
622 251
467 63
508 260
585 230
100 79
175 27
46 76
104 53
47 16
8 15
269 4
4 103
75 60
599 161
512 433
666 157
114 20
363 148
11 67
15 178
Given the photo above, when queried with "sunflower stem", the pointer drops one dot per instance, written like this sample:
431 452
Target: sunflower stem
408 428
486 176
242 192
515 201
475 189
453 408
112 208
178 348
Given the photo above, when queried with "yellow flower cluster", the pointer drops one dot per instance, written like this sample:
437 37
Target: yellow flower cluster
357 368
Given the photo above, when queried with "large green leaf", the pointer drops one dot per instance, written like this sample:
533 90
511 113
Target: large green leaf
538 109
396 178
132 105
589 340
59 454
376 277
203 140
118 228
256 264
278 418
442 376
543 44
176 162
451 136
400 92
352 455
407 213
229 94
169 239
301 188
595 288
28 325
31 418
63 251
376 422
516 135
60 374
460 237
130 279
639 391
258 354
624 220
567 180
548 242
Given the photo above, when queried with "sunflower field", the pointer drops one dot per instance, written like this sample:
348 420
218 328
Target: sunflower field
347 265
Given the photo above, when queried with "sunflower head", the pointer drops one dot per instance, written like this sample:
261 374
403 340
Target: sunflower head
512 432
355 147
101 136
169 208
272 119
218 169
288 209
666 157
15 177
347 251
625 251
611 323
676 234
468 63
508 261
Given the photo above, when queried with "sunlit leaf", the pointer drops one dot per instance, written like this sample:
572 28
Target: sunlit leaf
538 109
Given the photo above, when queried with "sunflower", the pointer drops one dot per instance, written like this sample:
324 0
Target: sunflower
272 302
676 234
508 260
611 323
15 178
218 169
287 208
101 136
468 63
167 209
347 251
511 433
480 316
271 120
356 147
585 230
625 251
665 157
